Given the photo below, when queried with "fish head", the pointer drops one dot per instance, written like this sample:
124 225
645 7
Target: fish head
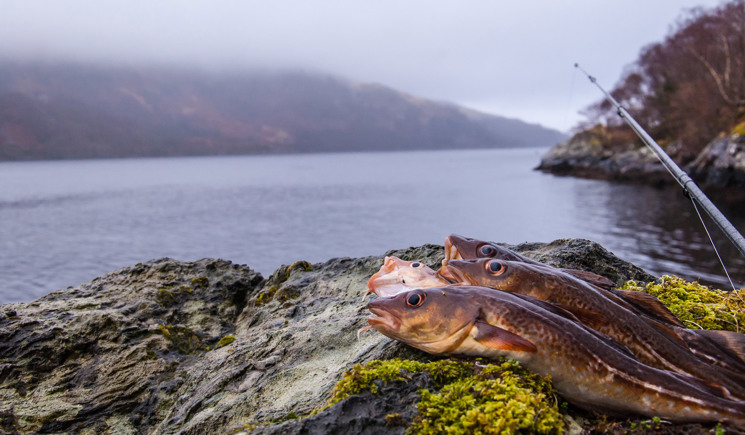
464 248
488 272
397 275
435 320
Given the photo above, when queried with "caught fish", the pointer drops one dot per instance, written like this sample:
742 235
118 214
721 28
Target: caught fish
655 344
397 275
464 248
587 368
722 348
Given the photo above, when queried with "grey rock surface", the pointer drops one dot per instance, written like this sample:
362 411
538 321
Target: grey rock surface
721 163
147 349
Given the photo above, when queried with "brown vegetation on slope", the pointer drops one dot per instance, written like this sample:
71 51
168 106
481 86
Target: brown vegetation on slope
687 89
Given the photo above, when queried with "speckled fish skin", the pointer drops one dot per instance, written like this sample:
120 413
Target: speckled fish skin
721 348
586 368
465 248
654 345
397 275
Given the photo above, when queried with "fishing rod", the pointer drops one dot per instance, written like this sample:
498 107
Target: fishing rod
691 189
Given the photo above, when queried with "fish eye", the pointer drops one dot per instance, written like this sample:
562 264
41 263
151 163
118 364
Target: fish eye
487 251
495 268
415 299
417 264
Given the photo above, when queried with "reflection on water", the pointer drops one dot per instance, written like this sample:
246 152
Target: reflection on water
63 223
659 228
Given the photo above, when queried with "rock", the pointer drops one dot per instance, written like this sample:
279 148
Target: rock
585 155
115 351
148 349
721 163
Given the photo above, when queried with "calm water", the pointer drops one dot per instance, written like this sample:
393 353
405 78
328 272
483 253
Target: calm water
65 222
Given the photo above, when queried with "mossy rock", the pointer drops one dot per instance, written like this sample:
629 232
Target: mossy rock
200 282
225 341
739 129
182 339
467 397
274 286
170 296
697 305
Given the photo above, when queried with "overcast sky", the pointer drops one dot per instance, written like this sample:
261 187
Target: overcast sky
508 58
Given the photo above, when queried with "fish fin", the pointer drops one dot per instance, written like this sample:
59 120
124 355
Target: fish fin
667 330
589 318
553 307
650 305
730 341
498 338
592 278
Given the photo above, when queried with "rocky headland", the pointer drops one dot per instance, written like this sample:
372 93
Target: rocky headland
720 165
213 347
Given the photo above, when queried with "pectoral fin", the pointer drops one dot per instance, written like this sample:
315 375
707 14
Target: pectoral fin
649 305
498 338
592 278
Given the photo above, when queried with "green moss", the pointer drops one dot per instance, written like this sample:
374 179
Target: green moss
225 341
697 305
181 338
502 397
286 293
396 419
169 296
266 296
200 282
739 129
363 376
274 282
150 354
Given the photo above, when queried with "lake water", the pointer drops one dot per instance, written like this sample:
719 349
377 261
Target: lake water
65 222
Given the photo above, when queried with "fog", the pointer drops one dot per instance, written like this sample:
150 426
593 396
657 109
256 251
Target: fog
508 58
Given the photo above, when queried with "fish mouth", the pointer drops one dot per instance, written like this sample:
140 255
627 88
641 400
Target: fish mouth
456 275
389 265
451 253
384 319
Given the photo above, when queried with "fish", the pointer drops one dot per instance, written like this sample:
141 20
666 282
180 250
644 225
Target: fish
465 248
724 348
397 275
586 368
654 343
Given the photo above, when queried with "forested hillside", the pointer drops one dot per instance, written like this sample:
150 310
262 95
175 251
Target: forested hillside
52 110
685 90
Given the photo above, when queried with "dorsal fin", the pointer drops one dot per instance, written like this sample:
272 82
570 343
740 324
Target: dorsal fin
589 318
502 339
667 330
649 305
592 278
553 307
731 342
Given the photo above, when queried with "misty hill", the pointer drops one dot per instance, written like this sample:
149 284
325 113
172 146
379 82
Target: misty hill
50 111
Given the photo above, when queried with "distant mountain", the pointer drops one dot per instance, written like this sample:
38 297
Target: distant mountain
56 111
